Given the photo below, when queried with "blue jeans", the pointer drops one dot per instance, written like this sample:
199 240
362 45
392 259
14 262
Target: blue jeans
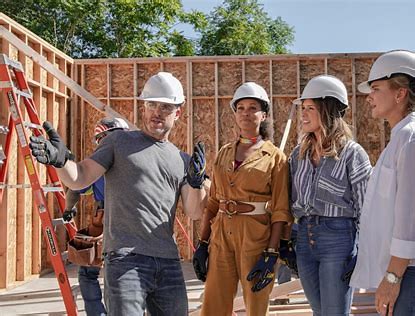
405 304
135 282
324 246
91 291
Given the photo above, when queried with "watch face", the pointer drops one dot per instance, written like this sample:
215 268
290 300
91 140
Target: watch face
391 278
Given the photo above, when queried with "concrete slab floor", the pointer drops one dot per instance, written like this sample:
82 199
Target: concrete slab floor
42 296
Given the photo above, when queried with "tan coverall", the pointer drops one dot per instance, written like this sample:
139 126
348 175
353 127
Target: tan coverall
236 242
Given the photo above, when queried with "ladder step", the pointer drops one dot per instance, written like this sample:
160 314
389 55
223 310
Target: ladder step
32 125
52 189
57 221
24 94
4 129
7 61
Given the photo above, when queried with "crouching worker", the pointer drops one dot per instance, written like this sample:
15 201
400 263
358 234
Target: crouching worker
239 237
145 175
86 248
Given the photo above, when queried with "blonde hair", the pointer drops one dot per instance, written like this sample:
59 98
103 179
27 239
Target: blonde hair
403 81
335 132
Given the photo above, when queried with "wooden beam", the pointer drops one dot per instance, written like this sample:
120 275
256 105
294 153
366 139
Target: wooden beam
71 84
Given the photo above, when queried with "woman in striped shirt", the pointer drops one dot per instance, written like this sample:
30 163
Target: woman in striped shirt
329 173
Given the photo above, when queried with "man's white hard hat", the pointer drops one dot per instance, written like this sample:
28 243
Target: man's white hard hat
163 87
388 64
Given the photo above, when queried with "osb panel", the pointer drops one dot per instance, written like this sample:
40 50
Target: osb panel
96 80
362 69
258 72
342 69
145 71
124 107
28 229
178 135
230 77
368 129
228 130
179 71
122 80
284 77
281 111
204 128
29 68
13 53
310 69
203 79
91 117
348 117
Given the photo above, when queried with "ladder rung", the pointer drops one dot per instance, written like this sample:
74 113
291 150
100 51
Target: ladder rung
47 189
32 125
57 221
14 64
26 94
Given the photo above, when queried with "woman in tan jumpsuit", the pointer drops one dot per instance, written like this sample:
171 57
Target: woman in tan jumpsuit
247 212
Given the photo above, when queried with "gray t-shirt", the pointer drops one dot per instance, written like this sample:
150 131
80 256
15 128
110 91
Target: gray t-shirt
142 186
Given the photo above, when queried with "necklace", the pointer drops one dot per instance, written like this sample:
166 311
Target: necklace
251 140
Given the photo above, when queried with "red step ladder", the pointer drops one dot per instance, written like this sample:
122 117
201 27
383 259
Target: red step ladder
15 86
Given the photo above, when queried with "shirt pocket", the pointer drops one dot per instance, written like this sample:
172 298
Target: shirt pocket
330 190
386 185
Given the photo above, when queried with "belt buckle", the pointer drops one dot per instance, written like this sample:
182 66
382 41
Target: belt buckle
228 210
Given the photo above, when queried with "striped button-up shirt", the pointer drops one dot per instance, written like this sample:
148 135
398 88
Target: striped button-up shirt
334 188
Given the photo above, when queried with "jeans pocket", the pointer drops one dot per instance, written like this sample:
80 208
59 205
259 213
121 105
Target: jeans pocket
337 224
114 256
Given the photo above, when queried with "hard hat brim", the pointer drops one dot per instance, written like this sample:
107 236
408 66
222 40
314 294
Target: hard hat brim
161 99
364 87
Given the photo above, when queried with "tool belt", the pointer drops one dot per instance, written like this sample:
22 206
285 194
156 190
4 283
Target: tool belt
85 249
231 207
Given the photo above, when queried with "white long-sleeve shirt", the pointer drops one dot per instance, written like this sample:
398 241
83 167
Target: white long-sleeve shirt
387 222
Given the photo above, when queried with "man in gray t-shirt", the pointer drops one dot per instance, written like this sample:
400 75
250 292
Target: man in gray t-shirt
145 175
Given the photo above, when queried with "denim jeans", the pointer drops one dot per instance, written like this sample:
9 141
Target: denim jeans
91 291
405 304
134 283
324 246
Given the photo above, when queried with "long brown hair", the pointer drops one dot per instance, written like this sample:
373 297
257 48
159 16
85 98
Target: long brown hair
335 132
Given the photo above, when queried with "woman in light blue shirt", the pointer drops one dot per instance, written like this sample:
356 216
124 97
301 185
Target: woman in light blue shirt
329 173
386 258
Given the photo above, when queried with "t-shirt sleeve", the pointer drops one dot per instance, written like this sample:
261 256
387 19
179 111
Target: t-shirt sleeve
104 154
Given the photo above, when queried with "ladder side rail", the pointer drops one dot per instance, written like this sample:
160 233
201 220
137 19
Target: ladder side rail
4 167
53 176
38 194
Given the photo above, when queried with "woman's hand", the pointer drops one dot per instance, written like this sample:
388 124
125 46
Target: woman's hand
386 296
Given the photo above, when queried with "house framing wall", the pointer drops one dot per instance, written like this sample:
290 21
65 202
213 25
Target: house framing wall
209 83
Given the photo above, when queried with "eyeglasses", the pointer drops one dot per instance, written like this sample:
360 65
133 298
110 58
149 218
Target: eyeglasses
165 108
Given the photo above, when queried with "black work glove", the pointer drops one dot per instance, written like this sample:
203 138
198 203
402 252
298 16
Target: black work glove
200 258
348 271
196 172
288 255
50 152
264 270
69 214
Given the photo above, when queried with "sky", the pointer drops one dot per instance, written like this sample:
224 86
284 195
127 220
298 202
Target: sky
338 26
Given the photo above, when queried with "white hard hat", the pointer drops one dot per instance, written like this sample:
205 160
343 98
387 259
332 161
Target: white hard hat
324 86
250 90
163 87
394 62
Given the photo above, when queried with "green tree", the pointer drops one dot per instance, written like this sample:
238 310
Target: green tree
107 28
242 27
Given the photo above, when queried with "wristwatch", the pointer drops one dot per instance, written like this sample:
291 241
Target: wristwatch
392 278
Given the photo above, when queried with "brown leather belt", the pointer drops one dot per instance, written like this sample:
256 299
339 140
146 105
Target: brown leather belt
231 207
